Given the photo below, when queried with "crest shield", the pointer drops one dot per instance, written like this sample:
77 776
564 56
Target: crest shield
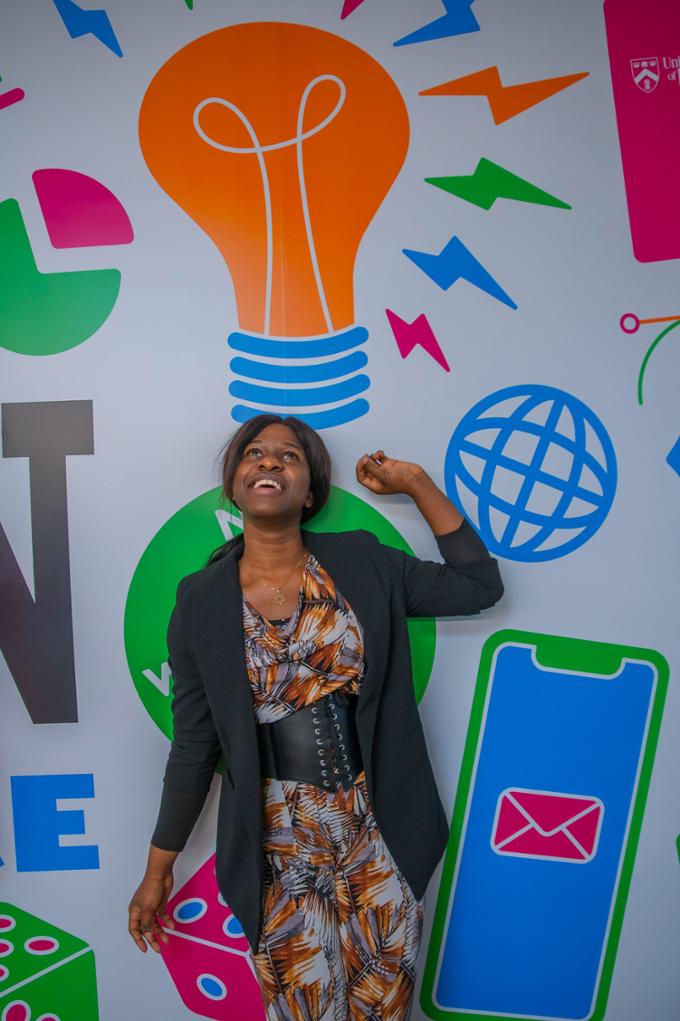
645 72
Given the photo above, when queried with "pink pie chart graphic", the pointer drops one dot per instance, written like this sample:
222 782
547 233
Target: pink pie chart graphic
79 211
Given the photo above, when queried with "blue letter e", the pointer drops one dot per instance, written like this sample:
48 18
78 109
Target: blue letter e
38 823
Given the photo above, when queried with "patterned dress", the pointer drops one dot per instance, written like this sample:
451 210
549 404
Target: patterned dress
341 927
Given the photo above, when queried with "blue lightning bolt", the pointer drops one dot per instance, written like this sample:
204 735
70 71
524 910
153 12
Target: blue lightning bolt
81 22
458 20
456 262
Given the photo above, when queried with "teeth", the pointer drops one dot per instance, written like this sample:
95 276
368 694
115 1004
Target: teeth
267 482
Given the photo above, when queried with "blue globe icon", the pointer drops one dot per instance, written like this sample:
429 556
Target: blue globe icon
534 468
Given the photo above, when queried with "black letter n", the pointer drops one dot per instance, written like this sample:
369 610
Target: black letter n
36 636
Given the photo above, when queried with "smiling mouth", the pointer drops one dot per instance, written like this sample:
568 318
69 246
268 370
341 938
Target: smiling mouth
267 484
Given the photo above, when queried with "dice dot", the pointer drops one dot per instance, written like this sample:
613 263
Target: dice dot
6 947
4 972
41 945
211 986
7 923
221 900
190 910
17 1010
48 1017
232 927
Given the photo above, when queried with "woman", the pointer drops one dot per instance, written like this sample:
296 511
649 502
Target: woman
290 657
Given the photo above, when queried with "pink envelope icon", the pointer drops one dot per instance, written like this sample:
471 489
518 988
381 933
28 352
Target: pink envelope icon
547 825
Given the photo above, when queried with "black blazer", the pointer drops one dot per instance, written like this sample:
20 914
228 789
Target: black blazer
213 710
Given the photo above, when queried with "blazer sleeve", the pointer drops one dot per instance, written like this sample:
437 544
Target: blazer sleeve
467 582
195 748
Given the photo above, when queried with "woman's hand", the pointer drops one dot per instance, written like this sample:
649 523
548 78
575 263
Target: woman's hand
385 476
147 905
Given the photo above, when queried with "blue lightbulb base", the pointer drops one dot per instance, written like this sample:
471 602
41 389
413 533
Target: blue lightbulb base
280 376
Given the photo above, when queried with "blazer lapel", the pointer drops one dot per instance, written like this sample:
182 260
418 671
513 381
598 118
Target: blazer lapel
219 638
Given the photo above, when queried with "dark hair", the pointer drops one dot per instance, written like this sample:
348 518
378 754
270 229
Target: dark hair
317 456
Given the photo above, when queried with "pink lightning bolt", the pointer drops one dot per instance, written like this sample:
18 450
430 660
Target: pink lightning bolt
349 6
419 332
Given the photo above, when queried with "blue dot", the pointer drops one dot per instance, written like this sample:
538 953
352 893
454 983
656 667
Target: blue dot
190 910
232 927
211 987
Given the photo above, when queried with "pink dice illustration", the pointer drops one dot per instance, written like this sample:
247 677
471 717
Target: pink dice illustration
208 956
46 974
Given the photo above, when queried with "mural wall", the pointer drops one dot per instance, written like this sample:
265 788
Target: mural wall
450 229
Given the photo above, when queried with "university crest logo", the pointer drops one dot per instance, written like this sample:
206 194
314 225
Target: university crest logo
645 72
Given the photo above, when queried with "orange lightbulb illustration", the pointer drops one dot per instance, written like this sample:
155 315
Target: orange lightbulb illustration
281 141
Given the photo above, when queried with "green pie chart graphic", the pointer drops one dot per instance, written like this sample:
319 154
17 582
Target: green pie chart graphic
184 543
46 313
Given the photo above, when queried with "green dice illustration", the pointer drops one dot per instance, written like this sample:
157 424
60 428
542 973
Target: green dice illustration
46 974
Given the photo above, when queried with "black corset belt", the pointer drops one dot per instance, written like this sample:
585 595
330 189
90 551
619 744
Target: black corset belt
317 744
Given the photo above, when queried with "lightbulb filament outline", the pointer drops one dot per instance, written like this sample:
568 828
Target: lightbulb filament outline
258 149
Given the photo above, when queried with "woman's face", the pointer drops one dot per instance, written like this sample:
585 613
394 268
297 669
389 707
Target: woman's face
272 479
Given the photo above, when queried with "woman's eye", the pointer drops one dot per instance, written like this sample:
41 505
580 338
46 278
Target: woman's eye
253 450
291 453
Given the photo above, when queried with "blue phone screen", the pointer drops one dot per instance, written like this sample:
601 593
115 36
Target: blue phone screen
527 932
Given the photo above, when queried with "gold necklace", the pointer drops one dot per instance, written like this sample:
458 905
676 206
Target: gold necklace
278 597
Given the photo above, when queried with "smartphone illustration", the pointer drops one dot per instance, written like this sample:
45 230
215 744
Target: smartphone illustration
546 822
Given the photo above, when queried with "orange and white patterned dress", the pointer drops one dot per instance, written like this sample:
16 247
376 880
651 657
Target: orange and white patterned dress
341 927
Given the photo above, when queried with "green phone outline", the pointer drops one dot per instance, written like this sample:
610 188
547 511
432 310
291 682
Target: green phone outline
554 652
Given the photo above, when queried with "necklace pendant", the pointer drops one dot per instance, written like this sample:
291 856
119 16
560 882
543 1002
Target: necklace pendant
278 597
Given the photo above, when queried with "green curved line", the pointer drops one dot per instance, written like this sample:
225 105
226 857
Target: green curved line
654 344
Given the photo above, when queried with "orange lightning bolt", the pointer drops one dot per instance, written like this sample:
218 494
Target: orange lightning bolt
505 101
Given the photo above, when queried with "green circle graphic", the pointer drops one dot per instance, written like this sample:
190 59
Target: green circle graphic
183 545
